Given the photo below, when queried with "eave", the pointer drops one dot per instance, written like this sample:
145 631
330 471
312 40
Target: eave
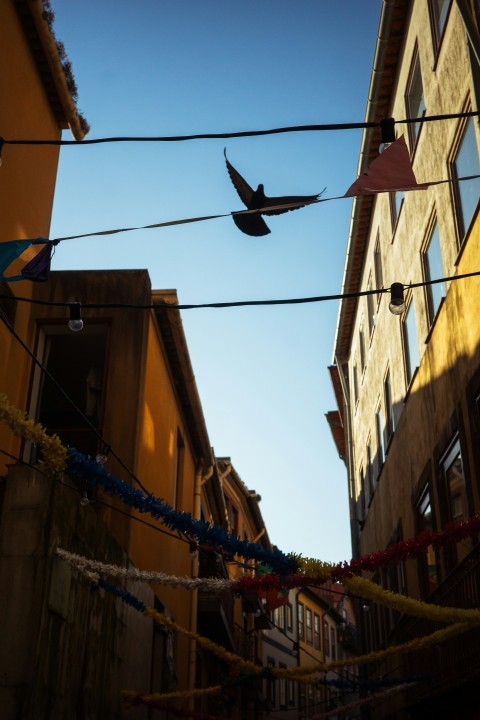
391 33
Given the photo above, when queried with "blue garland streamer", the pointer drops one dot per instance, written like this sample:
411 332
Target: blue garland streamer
266 671
86 468
120 592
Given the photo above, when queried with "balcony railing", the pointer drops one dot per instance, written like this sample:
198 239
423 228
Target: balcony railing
454 660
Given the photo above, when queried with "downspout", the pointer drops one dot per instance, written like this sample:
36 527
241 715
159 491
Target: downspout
350 470
201 478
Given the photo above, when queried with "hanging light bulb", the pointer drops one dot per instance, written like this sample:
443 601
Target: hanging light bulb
102 456
387 129
84 500
397 301
75 323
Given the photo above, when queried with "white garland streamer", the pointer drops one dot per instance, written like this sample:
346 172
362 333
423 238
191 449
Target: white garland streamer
158 578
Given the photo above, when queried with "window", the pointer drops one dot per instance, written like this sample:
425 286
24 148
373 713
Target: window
370 307
355 380
433 270
438 17
467 193
380 445
396 204
410 342
308 625
369 466
77 362
362 347
288 616
301 620
291 692
282 688
326 638
377 263
389 418
316 631
454 478
428 564
361 496
333 640
271 685
414 99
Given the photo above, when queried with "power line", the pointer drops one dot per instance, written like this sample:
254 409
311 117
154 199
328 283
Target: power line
240 134
238 303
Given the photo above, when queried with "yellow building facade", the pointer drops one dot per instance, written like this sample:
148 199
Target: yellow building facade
40 105
410 386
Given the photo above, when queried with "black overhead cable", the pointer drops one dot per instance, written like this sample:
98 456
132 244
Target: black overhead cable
245 133
240 303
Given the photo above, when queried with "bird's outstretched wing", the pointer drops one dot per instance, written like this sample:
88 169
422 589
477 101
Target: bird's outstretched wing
240 184
251 224
302 200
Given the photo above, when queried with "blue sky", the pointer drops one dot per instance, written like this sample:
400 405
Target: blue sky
174 67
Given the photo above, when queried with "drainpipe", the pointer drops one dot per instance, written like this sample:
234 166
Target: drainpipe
350 463
201 478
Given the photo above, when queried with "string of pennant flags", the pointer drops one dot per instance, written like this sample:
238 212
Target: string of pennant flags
391 171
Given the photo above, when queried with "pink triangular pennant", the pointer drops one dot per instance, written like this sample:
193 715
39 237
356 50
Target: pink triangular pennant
391 171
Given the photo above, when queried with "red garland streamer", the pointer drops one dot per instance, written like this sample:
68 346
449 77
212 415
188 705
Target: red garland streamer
403 550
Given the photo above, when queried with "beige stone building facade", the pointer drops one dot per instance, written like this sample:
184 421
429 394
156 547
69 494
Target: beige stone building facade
408 385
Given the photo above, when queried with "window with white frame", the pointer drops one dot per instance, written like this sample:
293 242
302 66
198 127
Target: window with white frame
308 626
316 631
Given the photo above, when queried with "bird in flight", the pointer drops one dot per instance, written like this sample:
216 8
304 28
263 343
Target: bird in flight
253 223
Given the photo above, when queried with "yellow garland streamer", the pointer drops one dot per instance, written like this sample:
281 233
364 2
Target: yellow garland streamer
131 697
54 453
203 641
438 636
302 673
371 591
436 613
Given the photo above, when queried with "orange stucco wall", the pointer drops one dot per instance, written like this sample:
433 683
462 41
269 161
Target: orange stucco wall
27 182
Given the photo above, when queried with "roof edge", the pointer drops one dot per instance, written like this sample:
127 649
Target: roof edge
75 121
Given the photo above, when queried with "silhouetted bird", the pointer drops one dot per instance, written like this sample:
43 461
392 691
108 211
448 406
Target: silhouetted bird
253 223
